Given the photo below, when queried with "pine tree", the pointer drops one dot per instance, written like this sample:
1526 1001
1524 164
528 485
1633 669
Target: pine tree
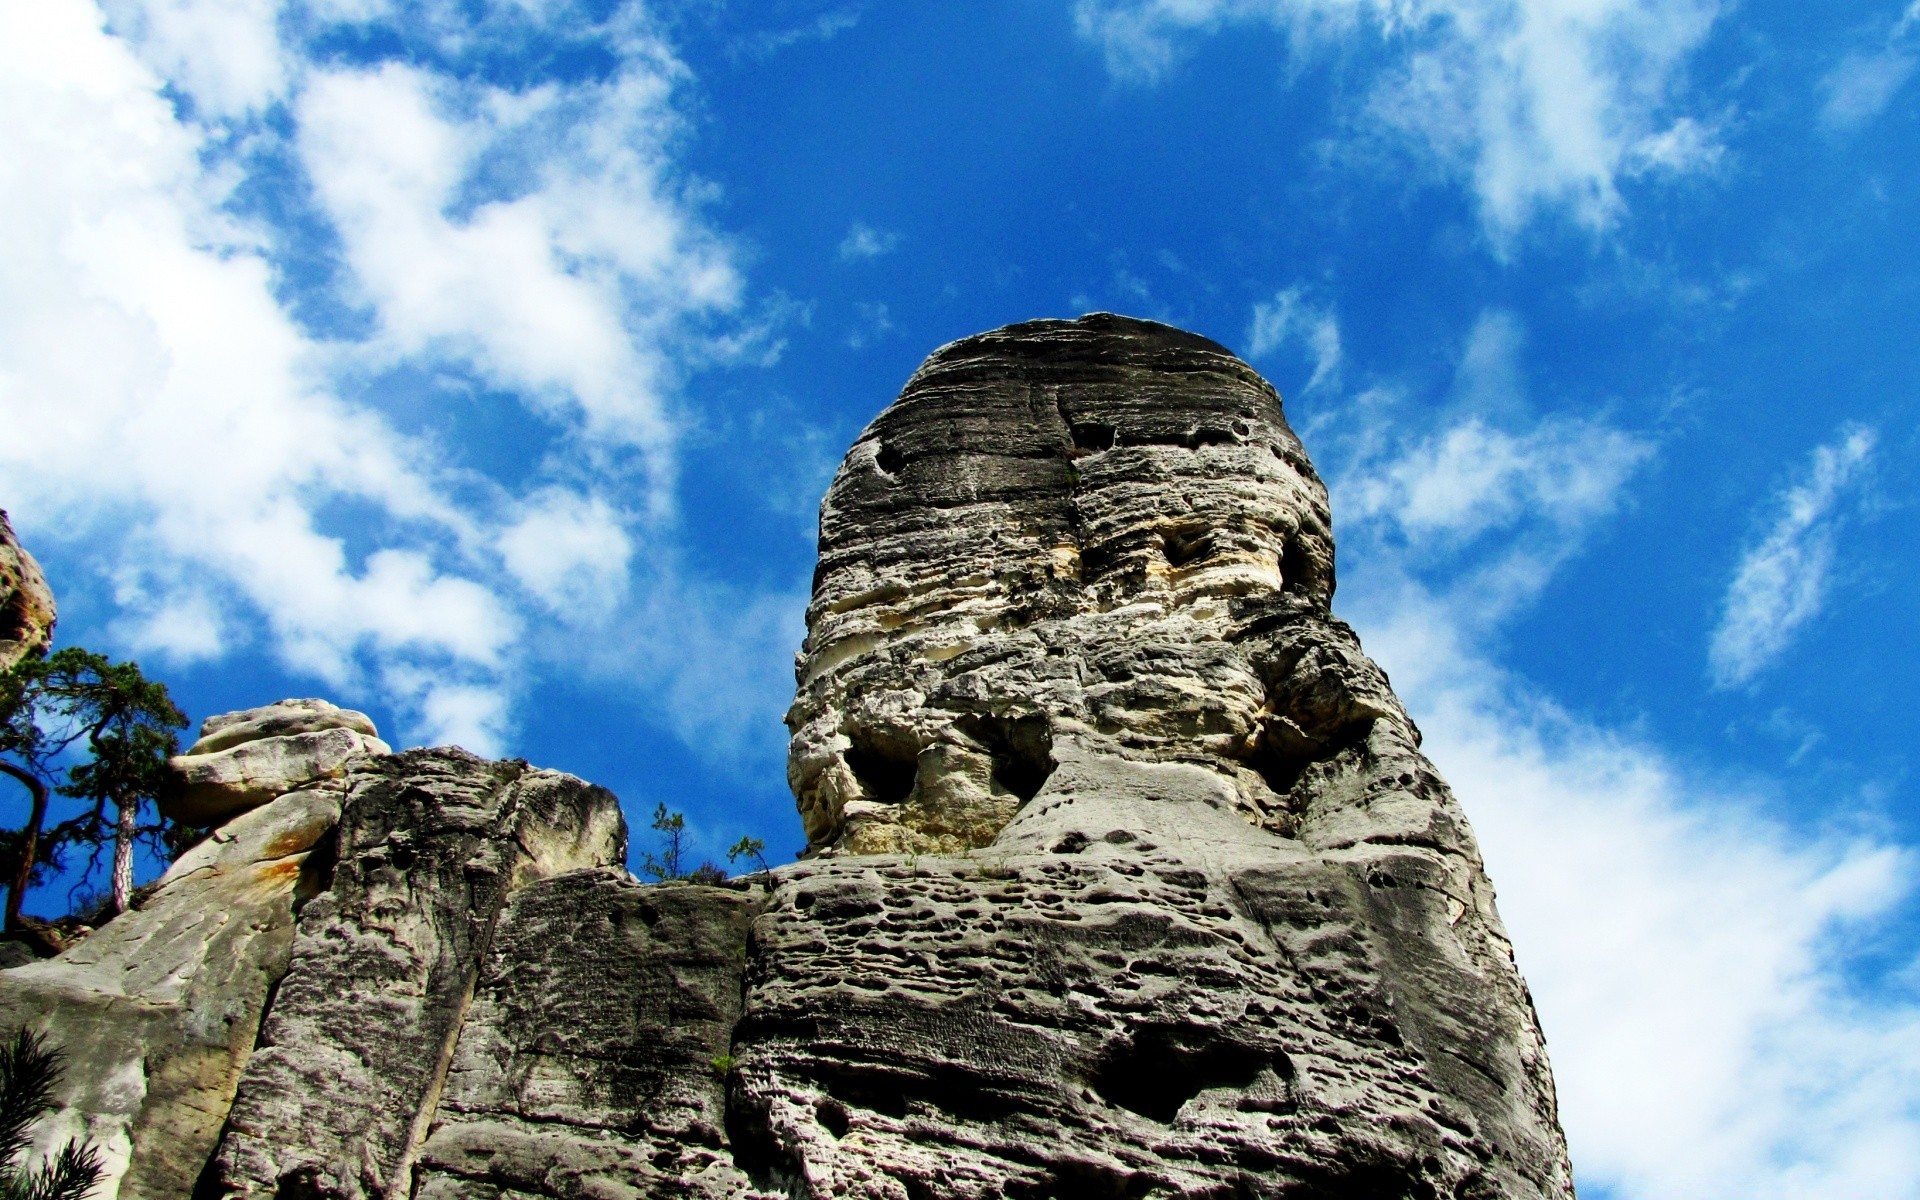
29 1072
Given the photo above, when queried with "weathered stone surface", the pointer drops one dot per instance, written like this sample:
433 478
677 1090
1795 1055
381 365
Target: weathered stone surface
1214 927
227 730
594 1059
158 1010
1127 878
344 1085
26 602
212 787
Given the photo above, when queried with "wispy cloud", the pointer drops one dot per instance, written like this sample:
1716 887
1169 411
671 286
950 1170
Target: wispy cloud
1292 319
169 408
1689 955
1861 86
863 241
1538 104
1781 582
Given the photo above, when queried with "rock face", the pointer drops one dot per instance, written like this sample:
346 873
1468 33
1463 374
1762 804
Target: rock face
1127 879
346 1081
158 1011
1131 877
244 759
26 602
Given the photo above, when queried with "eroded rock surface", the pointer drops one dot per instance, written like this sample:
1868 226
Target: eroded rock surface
1131 878
26 602
157 1011
1127 879
244 759
346 1080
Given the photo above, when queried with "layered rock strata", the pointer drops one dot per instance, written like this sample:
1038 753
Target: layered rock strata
1126 878
1131 878
244 759
26 602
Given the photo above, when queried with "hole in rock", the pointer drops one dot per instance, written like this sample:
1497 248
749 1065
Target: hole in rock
1183 546
889 459
1073 843
954 1089
885 770
1092 436
1164 1066
303 1184
1021 749
1297 576
833 1115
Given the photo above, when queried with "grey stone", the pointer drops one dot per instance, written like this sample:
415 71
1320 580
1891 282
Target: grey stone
346 1080
1128 875
1126 878
26 602
209 788
158 1010
226 730
594 1059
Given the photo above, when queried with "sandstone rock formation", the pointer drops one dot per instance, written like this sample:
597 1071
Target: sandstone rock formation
26 603
1127 878
244 759
1131 877
158 1011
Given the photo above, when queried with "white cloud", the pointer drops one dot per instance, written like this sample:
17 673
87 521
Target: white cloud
1782 581
226 54
570 550
168 415
1539 104
1862 84
561 289
1687 952
1687 955
1290 319
871 323
863 241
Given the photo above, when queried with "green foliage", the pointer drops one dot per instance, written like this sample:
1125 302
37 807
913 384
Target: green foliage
78 703
751 848
29 1073
672 828
723 1064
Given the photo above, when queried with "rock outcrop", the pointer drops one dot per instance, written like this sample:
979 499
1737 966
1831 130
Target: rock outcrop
26 602
1131 878
1126 878
244 759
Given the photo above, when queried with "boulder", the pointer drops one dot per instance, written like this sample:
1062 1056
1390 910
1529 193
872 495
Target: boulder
247 758
227 730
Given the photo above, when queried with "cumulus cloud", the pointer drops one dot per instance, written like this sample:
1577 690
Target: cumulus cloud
1291 319
1781 581
1688 952
169 413
1862 84
863 241
1538 104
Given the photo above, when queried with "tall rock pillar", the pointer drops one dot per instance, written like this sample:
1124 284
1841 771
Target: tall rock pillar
1127 875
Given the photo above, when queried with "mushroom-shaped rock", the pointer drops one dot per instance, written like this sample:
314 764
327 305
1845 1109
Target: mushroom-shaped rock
26 603
244 759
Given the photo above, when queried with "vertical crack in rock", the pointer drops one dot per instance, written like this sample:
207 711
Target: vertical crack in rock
338 1098
1126 875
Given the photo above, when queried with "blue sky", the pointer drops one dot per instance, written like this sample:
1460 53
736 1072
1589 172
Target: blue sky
480 363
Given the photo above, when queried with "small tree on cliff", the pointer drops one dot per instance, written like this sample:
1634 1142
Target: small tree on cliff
53 708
